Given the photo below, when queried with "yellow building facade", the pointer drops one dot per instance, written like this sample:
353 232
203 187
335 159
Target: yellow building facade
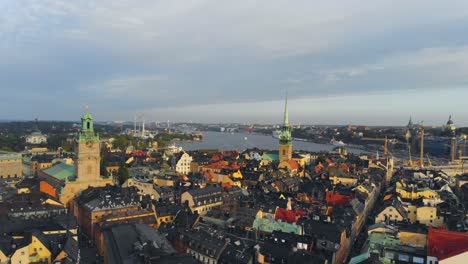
10 165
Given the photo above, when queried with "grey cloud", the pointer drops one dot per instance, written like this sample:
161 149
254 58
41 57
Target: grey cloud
137 55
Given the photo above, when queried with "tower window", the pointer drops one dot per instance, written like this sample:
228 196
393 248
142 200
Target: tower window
284 152
87 124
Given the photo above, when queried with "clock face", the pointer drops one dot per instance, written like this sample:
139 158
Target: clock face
89 143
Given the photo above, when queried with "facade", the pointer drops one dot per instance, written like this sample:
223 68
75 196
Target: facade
10 165
183 161
94 204
40 162
285 138
143 187
203 200
36 138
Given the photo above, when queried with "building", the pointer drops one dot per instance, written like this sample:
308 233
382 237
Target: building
139 244
388 248
31 206
36 138
164 193
285 138
182 162
67 181
204 199
165 213
144 186
203 246
268 222
45 240
41 162
10 165
95 203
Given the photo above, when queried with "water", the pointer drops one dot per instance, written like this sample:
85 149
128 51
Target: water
242 141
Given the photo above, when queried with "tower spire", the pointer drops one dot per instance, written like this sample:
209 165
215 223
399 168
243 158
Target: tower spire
286 113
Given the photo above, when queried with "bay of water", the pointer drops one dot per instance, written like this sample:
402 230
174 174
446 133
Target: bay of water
242 141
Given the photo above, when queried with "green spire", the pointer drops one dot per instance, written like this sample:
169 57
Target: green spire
87 122
286 114
285 136
87 128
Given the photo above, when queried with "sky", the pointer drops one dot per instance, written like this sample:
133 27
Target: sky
365 62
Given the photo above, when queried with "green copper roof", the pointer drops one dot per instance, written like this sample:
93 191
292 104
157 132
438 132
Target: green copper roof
87 128
285 135
61 171
270 156
359 259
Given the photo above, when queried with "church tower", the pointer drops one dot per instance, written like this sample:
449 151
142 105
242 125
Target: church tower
285 138
87 165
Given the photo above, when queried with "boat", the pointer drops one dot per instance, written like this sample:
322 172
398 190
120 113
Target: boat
337 143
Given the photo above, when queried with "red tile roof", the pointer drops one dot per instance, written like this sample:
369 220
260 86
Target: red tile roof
290 216
444 244
335 198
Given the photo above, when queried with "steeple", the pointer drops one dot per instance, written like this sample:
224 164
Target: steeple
87 122
87 127
285 138
286 113
410 123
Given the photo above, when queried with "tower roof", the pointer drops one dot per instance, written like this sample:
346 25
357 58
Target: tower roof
87 115
450 122
410 122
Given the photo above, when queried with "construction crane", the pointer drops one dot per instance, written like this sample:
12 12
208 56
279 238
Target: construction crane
421 157
428 159
385 140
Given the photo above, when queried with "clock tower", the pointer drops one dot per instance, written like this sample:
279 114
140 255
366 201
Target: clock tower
87 165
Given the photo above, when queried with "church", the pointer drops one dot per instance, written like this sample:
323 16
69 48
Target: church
285 154
64 181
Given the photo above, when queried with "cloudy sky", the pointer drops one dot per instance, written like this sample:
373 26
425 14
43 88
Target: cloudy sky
361 62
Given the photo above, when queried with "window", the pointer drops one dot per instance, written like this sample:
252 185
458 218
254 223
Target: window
389 255
403 257
418 260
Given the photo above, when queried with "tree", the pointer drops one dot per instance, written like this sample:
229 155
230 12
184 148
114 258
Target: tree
123 174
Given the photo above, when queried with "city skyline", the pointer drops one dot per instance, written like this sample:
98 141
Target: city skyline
369 63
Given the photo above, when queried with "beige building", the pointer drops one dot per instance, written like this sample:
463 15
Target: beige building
426 215
397 211
143 188
36 138
10 165
183 161
203 200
